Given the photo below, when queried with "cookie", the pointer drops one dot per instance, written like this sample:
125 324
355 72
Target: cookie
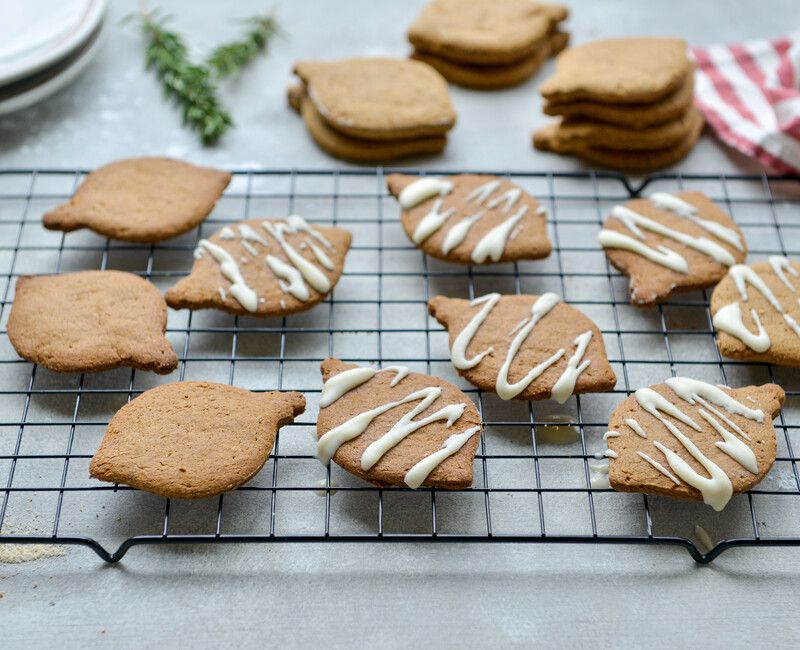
263 267
634 116
546 139
358 150
619 70
755 311
572 133
142 200
524 347
671 242
692 440
471 219
488 77
379 98
90 321
484 32
396 427
192 439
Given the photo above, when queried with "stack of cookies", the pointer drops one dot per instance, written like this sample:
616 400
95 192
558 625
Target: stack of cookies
624 103
373 109
487 44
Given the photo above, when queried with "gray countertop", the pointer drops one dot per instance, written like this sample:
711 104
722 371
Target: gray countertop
394 594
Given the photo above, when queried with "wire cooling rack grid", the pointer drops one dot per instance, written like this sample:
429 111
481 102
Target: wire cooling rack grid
525 490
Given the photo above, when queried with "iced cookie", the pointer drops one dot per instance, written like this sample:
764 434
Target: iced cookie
141 200
634 116
346 147
263 267
378 98
489 77
671 242
692 440
90 321
192 439
755 311
396 427
471 219
547 139
620 70
524 347
578 133
484 32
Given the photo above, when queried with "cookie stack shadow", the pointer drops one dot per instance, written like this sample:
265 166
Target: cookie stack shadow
488 47
625 104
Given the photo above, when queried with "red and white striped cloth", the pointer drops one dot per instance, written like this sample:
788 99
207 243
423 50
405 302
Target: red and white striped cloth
750 95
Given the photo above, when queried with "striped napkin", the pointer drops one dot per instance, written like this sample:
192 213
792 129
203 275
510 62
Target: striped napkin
750 95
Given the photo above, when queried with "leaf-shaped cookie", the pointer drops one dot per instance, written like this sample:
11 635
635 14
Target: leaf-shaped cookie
396 427
524 347
90 321
756 309
692 440
191 439
671 242
141 199
471 219
263 268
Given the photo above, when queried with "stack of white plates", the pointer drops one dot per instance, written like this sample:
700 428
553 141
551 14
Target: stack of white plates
44 45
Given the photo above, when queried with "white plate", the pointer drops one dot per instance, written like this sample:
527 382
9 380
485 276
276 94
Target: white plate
30 91
35 34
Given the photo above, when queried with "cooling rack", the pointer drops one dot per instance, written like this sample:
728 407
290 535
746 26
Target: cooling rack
527 488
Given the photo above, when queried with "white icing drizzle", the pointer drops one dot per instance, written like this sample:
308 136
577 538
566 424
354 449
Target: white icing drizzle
510 198
540 308
692 390
565 384
422 189
197 253
703 537
458 232
659 467
598 476
637 428
611 434
248 235
419 472
683 208
230 269
655 403
462 341
347 380
610 453
222 294
321 256
431 222
493 243
483 192
291 279
518 326
311 274
281 302
732 446
250 248
660 255
729 319
227 233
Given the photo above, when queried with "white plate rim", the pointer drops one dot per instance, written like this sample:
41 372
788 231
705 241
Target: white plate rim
54 84
40 60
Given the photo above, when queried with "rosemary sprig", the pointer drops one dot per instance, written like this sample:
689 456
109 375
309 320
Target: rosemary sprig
190 85
231 58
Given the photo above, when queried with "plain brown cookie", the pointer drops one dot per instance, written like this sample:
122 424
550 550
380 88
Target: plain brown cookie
619 70
248 249
192 439
452 473
352 149
527 238
490 77
141 200
546 139
379 98
484 32
90 321
634 116
572 133
651 282
629 471
782 280
504 324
